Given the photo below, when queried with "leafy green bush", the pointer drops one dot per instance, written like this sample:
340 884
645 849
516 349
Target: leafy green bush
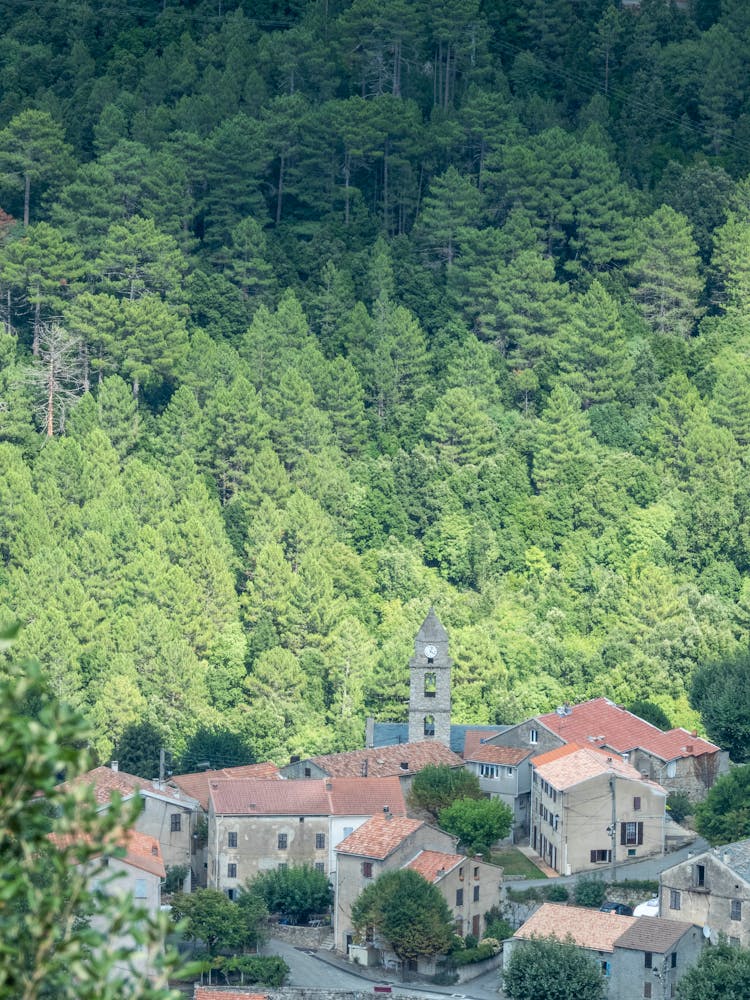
470 955
679 806
499 928
270 970
557 894
176 875
589 892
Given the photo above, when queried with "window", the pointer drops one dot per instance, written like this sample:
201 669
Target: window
673 960
175 822
606 968
282 842
232 838
476 893
459 897
533 736
348 830
308 772
736 909
430 685
320 841
302 819
674 899
140 888
671 769
319 866
476 871
508 772
367 869
647 960
600 856
636 803
429 725
488 770
231 870
631 833
461 873
647 989
699 876
231 894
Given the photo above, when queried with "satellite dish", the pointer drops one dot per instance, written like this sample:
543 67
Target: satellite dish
706 931
560 710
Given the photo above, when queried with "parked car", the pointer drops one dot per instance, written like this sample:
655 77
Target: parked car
648 909
622 908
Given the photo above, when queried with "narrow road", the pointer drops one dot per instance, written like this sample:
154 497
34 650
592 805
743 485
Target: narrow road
307 969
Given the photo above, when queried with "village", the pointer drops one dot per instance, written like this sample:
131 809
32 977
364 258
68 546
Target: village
586 785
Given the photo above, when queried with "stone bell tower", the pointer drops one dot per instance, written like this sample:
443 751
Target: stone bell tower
430 684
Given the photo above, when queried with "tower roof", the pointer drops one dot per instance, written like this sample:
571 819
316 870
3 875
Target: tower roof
432 630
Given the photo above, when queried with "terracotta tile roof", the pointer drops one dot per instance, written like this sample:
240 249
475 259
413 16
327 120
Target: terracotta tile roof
432 865
653 934
588 928
196 783
105 781
570 765
404 758
222 993
144 852
306 796
141 850
601 722
378 837
488 753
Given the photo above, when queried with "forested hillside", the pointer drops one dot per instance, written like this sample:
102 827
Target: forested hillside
316 314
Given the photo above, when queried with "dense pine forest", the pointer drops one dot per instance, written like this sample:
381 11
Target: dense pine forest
317 314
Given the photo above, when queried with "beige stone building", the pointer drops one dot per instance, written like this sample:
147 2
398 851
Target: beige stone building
469 886
167 813
638 956
713 890
590 809
256 824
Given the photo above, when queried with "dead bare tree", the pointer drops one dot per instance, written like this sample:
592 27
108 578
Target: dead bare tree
57 375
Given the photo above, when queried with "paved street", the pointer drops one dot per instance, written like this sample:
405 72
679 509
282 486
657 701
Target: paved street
307 969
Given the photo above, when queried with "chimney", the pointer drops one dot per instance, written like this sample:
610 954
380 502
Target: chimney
364 768
329 786
155 850
387 812
115 765
370 732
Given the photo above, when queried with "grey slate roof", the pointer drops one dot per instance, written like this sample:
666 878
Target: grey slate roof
736 856
653 934
388 734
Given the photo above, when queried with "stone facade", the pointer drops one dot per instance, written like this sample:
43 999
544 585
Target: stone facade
430 684
712 890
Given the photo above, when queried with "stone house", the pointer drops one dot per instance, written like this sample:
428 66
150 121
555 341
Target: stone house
638 956
195 785
402 761
504 773
713 890
469 886
679 760
167 813
590 809
258 824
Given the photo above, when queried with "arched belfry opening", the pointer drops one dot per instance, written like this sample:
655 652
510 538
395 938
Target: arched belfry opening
430 684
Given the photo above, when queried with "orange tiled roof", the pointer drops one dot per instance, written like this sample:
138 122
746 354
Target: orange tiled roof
306 796
588 928
603 723
571 764
378 837
432 865
222 993
475 749
196 783
105 781
381 762
141 850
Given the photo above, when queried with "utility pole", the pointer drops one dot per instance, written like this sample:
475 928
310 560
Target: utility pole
613 826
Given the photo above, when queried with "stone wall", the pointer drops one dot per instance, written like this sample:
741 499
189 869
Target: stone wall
313 938
299 993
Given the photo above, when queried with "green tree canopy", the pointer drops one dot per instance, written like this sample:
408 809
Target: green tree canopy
297 892
721 973
724 815
547 969
408 912
477 823
437 786
211 917
721 693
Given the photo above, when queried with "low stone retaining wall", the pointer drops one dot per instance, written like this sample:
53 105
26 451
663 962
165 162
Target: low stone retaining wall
311 938
298 993
468 972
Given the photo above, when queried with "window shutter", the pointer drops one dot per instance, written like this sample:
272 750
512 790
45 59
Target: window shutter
623 833
640 833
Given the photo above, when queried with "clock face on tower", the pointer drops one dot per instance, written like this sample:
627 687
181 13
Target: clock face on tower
430 651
